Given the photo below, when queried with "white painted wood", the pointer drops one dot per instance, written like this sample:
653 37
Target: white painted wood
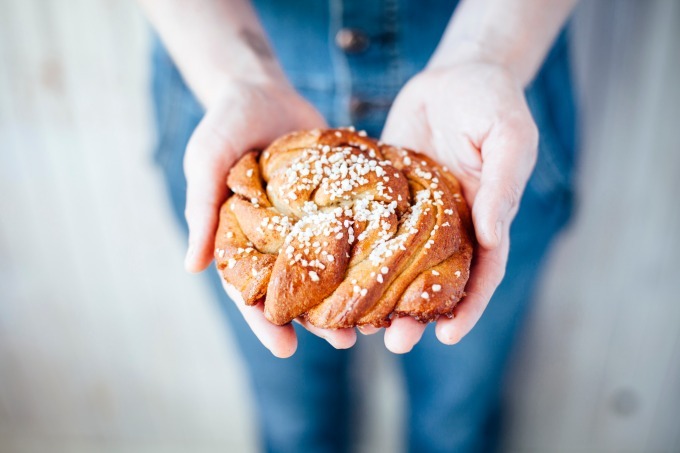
107 345
599 370
97 350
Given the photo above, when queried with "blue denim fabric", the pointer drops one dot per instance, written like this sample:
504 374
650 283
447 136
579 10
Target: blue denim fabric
454 393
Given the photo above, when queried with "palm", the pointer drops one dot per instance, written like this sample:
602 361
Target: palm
474 119
244 117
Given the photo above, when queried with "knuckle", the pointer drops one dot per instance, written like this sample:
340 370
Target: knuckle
523 128
498 277
476 315
206 151
200 164
512 194
494 279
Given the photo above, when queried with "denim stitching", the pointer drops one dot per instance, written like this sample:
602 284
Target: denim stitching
342 75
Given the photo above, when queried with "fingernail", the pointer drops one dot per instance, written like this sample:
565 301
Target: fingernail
446 336
365 330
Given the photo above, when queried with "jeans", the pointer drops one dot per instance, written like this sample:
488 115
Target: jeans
453 392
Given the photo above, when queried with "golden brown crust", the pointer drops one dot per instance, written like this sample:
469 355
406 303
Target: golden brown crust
344 231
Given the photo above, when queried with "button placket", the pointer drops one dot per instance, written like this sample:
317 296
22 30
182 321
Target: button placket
352 40
391 31
365 45
358 107
341 71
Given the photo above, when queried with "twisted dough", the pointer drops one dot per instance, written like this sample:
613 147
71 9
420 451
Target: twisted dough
344 231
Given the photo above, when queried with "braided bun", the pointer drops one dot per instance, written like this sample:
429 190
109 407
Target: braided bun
344 231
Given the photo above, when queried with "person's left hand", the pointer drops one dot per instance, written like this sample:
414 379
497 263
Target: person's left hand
473 118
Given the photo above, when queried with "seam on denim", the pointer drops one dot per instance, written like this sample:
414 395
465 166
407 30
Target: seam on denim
548 178
559 170
316 82
162 75
342 76
554 171
175 107
394 64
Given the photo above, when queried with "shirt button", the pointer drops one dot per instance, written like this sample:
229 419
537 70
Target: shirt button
351 40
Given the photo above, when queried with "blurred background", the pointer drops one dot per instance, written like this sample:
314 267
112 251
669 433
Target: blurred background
106 345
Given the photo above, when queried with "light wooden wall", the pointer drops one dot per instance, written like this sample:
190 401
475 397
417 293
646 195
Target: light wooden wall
107 345
600 368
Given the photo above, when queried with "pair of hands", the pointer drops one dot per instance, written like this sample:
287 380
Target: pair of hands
471 117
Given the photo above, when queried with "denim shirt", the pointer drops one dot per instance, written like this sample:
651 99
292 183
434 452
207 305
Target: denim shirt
351 57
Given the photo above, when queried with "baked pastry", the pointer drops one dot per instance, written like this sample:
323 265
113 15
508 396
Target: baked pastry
344 231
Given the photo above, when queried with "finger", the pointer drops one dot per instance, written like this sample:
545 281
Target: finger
338 338
368 329
509 156
403 334
280 340
206 163
486 274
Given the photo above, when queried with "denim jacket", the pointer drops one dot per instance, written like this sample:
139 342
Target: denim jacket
351 57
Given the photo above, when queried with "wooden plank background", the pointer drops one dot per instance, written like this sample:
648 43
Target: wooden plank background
107 345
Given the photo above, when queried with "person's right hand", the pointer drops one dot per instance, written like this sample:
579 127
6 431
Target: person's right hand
242 117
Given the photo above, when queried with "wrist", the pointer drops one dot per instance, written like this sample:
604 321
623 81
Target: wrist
250 62
233 82
472 52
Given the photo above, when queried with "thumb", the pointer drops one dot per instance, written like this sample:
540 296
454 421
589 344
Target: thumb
207 161
406 123
215 145
508 158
